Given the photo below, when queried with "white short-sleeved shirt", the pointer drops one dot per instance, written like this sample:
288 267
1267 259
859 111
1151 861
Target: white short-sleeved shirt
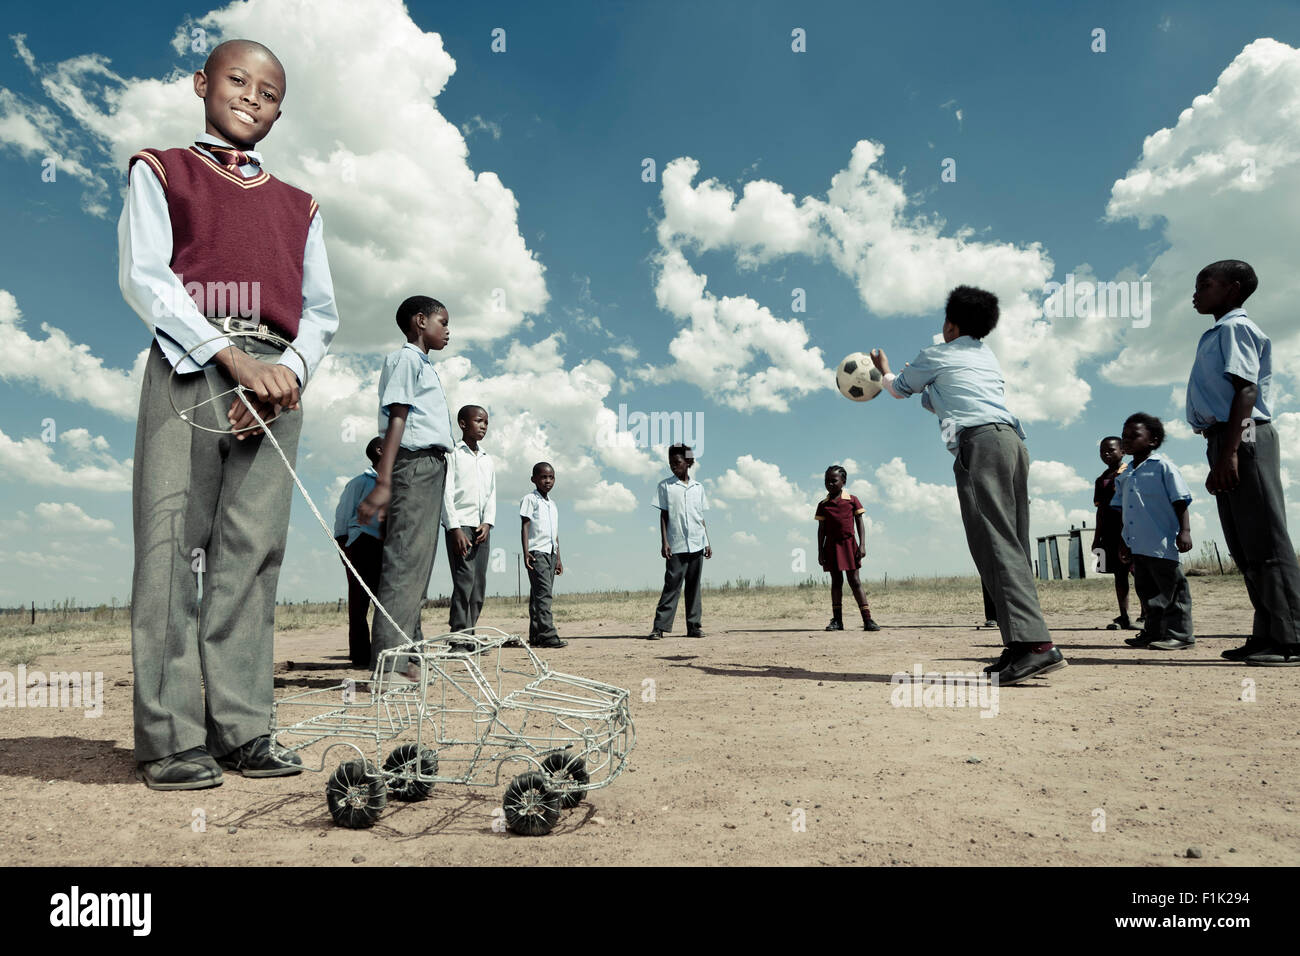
469 497
543 522
685 503
1234 345
409 378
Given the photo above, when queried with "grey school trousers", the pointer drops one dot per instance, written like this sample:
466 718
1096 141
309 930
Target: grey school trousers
1162 586
541 579
468 580
992 471
1254 528
688 566
212 508
410 546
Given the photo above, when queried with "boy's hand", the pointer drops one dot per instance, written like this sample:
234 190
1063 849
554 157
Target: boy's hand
481 533
375 503
559 566
273 384
460 542
862 551
1125 556
1223 476
1184 541
880 360
240 417
708 552
664 552
528 560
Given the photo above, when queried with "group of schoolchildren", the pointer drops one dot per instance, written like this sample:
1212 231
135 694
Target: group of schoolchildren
209 214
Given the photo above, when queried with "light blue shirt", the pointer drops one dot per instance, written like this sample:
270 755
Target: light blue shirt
685 503
961 382
345 515
409 378
1145 494
144 243
543 522
1234 345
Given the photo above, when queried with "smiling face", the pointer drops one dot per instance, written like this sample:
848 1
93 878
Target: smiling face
241 86
1215 295
1111 453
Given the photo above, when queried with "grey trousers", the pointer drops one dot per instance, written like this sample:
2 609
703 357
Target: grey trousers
992 471
1254 527
688 566
468 580
209 507
410 546
541 579
1161 585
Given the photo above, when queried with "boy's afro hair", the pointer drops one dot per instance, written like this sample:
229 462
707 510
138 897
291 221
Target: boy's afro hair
1234 270
1154 426
681 448
416 305
974 311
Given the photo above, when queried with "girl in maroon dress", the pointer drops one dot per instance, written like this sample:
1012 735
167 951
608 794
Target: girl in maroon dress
1107 537
838 550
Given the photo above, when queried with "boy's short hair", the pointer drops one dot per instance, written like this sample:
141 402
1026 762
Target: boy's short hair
682 449
1154 426
1109 438
416 305
374 448
467 410
974 311
1234 270
540 465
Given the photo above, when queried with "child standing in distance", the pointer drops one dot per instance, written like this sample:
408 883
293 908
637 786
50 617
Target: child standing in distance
211 217
683 543
469 511
961 382
1108 535
416 428
540 534
1229 401
1153 499
364 546
838 551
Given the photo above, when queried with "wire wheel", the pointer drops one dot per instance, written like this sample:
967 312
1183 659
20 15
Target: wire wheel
531 807
356 795
567 767
402 764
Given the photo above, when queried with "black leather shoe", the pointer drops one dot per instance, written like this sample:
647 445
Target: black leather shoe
1172 644
1241 653
835 625
694 632
553 642
1139 639
1277 655
870 625
1026 664
468 647
1001 662
990 623
655 635
257 759
192 769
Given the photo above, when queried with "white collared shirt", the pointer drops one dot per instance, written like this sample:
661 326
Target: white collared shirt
469 497
543 522
685 503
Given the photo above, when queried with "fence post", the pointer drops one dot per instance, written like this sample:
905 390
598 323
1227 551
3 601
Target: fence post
1217 555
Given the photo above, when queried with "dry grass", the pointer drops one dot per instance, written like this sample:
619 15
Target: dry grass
910 599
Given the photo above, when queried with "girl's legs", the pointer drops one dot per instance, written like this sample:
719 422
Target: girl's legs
1121 592
837 596
856 587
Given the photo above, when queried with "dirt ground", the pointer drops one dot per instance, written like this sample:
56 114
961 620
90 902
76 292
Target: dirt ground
1124 757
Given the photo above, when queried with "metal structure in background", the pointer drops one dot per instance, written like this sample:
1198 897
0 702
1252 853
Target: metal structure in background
461 723
1078 561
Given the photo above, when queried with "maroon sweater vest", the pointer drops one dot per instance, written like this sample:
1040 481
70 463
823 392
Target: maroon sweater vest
237 244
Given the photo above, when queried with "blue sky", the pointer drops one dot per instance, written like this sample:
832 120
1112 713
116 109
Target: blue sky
444 167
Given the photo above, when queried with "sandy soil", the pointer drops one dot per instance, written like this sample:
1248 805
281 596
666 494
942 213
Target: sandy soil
1124 757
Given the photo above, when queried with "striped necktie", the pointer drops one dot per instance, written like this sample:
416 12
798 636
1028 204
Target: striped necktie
228 156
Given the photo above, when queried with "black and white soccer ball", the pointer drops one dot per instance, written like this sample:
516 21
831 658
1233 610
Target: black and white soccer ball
858 379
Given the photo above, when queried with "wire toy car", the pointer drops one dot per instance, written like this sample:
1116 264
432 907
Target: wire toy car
461 722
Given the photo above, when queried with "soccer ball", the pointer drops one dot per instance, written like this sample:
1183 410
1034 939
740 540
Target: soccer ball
858 379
